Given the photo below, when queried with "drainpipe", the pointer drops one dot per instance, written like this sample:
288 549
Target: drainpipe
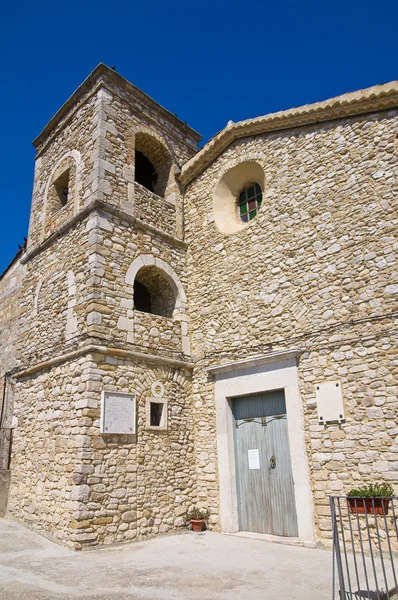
4 400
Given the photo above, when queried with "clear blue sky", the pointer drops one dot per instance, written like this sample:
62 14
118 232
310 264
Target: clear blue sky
206 61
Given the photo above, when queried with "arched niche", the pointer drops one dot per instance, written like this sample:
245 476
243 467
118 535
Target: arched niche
153 293
226 193
148 260
62 191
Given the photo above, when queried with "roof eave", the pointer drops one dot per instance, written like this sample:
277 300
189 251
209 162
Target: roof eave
376 98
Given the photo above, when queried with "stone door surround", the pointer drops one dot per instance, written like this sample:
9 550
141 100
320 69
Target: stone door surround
276 370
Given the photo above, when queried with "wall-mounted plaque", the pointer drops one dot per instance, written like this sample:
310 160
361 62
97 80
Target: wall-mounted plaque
118 413
329 399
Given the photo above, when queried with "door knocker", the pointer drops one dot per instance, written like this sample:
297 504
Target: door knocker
272 462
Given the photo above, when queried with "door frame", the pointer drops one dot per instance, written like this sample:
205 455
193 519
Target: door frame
275 370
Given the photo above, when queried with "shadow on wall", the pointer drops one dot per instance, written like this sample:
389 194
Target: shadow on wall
5 477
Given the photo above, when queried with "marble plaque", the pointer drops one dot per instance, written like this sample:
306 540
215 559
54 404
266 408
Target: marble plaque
329 398
118 413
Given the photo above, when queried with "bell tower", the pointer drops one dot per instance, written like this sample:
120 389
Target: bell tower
105 316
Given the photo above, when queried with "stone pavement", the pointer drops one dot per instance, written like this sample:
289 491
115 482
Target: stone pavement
190 566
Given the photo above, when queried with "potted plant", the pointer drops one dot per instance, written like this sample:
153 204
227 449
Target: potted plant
197 517
373 498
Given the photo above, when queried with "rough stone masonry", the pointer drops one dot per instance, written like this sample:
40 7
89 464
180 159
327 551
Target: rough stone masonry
139 277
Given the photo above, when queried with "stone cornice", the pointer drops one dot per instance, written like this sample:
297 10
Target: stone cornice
247 363
373 99
106 351
103 76
107 208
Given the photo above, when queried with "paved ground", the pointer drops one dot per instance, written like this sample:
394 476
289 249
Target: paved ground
191 566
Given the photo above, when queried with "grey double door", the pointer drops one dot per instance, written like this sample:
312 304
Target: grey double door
265 487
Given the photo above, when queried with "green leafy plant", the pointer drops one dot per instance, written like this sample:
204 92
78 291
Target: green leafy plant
373 490
197 514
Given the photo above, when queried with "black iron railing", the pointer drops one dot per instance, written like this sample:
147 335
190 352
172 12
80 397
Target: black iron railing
365 548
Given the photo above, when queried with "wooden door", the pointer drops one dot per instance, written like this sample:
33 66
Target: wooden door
265 487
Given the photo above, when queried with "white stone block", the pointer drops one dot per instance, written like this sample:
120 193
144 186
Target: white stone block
80 492
96 258
71 326
128 173
94 318
124 324
186 345
180 510
130 191
86 403
127 303
391 290
380 466
104 165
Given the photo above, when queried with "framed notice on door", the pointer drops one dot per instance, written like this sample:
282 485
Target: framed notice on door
254 459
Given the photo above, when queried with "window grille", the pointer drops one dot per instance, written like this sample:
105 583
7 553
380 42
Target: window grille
249 202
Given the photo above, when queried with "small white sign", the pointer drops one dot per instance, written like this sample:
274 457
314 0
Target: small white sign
254 459
329 399
118 413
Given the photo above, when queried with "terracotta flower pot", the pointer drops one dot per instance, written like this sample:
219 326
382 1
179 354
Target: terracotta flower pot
197 525
373 506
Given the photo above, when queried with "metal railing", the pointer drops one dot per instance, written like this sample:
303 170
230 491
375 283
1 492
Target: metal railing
365 548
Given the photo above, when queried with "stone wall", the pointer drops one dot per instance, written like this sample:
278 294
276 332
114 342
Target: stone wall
10 299
117 243
122 120
10 289
143 485
154 331
85 488
73 144
364 448
154 210
55 297
316 269
47 448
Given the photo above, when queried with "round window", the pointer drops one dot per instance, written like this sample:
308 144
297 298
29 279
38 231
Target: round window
249 202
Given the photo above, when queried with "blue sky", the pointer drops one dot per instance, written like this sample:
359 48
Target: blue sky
208 62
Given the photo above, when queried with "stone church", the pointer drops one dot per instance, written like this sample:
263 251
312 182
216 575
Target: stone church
211 329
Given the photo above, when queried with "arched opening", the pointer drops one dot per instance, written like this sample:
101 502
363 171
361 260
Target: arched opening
153 293
142 297
62 186
145 172
152 164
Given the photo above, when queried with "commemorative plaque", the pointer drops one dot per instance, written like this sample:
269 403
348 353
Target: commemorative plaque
118 414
